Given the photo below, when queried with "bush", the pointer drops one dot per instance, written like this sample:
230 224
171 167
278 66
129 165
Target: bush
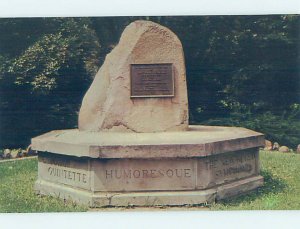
284 129
41 88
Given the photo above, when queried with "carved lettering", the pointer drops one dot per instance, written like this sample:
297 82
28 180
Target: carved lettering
237 169
118 176
178 172
169 173
66 174
147 173
231 164
152 80
187 172
108 173
156 29
136 173
211 164
152 172
127 174
84 178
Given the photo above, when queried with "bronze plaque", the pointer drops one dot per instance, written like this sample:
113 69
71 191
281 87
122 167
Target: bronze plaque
151 80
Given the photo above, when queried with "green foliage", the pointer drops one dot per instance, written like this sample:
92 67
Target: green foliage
42 87
241 70
250 60
42 64
284 129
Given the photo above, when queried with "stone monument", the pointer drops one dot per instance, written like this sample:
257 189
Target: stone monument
134 146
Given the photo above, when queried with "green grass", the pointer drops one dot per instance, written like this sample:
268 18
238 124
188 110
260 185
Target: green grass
281 190
16 190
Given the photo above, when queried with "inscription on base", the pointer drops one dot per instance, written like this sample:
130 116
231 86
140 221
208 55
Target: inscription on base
149 174
61 170
137 175
225 168
146 173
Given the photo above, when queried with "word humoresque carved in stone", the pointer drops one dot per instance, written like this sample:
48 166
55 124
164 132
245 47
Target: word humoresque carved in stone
112 103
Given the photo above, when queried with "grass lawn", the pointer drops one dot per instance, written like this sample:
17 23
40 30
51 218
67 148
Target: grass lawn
16 190
281 190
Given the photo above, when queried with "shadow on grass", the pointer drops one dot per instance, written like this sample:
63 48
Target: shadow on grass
271 185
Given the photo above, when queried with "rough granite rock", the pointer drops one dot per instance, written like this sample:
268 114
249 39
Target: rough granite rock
7 153
15 153
107 105
284 149
268 145
276 146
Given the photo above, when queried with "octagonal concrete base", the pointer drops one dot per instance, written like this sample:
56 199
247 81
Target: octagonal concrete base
197 166
158 198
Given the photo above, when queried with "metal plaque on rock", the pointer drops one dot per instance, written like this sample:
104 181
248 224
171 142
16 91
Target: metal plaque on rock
151 80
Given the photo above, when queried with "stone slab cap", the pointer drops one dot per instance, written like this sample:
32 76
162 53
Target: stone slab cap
108 106
198 141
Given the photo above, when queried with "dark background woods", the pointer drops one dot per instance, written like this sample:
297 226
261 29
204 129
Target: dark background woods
241 71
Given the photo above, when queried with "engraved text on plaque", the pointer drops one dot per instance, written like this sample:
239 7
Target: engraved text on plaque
152 80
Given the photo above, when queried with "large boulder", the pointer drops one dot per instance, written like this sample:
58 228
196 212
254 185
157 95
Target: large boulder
284 149
108 105
15 153
298 149
276 146
268 145
7 153
30 151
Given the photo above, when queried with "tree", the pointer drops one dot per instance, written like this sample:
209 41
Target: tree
44 85
241 70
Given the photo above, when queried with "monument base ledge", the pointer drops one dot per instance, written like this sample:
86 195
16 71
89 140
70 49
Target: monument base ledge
198 141
197 166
